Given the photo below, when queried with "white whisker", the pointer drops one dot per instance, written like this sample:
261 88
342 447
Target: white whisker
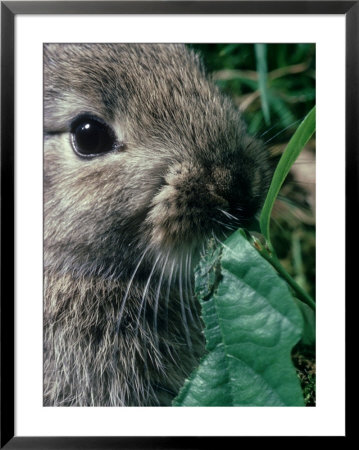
184 319
229 215
229 227
189 302
189 279
128 290
282 131
144 294
168 292
157 300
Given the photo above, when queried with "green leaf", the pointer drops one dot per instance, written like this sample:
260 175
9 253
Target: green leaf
252 324
294 147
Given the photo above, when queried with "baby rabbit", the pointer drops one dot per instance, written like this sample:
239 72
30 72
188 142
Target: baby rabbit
144 160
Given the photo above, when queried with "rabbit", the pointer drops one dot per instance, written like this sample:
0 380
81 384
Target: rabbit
144 159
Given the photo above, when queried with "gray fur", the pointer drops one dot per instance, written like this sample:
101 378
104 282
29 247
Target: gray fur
115 335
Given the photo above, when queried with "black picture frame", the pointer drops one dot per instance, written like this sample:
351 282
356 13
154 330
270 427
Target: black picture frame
9 9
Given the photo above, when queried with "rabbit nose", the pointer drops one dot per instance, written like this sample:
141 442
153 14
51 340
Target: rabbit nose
223 180
234 187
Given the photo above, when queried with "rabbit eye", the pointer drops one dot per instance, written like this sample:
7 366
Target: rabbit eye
91 136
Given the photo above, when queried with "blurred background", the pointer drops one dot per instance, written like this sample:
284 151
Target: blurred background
274 87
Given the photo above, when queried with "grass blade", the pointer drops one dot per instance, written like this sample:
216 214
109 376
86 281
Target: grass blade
294 147
261 57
